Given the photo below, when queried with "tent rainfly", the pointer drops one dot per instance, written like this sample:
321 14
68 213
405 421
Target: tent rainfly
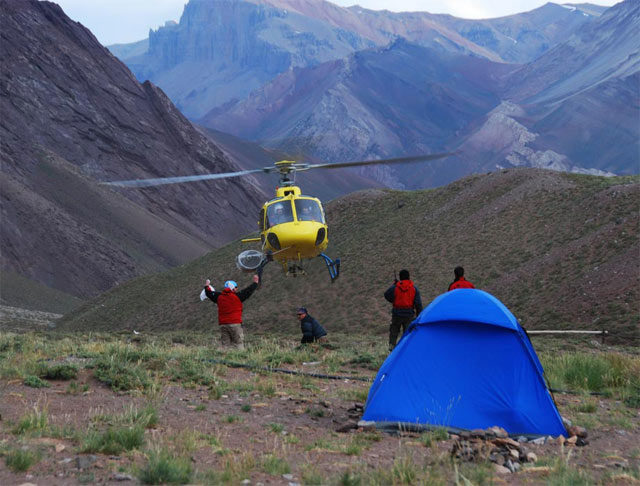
464 363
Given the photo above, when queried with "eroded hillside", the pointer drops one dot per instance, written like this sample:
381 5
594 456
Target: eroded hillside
559 250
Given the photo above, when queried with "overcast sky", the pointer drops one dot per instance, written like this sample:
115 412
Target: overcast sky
121 21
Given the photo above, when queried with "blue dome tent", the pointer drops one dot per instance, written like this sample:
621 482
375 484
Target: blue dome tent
464 363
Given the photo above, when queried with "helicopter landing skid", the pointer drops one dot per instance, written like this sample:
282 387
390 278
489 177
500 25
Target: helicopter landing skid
333 266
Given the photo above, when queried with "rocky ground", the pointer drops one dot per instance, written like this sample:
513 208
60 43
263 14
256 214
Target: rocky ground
234 425
18 319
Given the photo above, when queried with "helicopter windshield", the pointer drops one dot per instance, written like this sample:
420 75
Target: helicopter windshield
308 210
279 213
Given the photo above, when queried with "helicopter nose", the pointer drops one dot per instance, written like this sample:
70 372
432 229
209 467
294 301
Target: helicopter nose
305 238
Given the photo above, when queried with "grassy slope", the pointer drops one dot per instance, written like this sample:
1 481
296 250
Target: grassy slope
19 291
559 250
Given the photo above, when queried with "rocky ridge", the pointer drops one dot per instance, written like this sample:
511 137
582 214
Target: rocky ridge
73 116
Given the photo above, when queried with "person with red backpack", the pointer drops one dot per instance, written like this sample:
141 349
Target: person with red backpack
407 304
230 310
459 282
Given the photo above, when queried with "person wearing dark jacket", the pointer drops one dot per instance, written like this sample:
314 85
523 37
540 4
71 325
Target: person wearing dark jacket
229 303
311 329
407 304
459 282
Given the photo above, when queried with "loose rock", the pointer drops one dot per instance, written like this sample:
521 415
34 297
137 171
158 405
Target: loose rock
83 462
497 432
121 477
578 431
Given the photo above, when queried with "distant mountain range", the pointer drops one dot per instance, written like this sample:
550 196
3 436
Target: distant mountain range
555 87
221 50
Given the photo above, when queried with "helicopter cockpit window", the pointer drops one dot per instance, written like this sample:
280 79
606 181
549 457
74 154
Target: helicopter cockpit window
308 210
279 213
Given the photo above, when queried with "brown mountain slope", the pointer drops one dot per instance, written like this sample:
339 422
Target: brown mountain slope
73 115
561 251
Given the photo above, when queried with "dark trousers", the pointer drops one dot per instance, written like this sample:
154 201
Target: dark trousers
398 322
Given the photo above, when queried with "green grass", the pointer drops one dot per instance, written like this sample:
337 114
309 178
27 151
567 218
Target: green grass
315 412
216 390
349 478
191 369
564 474
311 476
33 423
58 372
120 375
587 406
430 438
275 465
145 417
74 389
35 382
477 474
164 468
113 440
20 460
609 372
275 427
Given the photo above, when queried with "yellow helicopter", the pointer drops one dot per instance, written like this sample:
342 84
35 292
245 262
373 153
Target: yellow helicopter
292 225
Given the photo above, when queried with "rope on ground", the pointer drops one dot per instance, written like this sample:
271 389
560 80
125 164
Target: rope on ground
572 392
234 364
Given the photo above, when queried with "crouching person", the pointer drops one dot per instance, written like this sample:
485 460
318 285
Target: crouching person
311 329
229 303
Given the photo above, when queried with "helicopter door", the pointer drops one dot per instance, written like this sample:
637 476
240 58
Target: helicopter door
309 210
279 212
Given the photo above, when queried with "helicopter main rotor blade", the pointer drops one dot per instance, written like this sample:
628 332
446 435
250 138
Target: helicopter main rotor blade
398 160
175 180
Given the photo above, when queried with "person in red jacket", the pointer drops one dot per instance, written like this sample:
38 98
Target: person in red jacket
230 310
459 282
407 304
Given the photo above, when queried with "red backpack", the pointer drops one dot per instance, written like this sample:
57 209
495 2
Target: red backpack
404 295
